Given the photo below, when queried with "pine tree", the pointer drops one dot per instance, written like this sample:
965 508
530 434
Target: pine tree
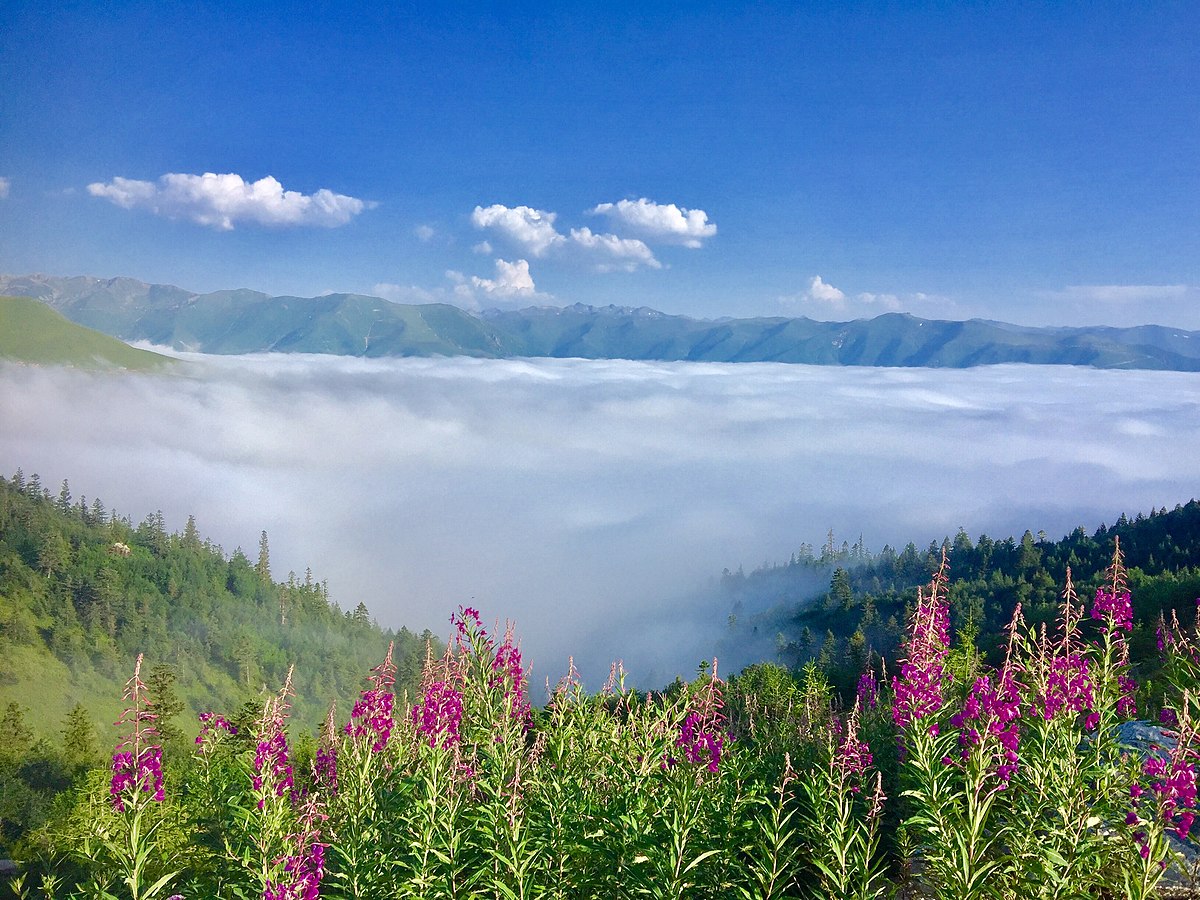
81 748
160 685
263 568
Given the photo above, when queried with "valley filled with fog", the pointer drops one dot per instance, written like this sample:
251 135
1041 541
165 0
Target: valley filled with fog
595 501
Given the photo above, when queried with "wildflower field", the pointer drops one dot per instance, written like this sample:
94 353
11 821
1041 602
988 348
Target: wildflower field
946 778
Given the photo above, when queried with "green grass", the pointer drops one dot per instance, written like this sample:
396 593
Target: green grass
31 332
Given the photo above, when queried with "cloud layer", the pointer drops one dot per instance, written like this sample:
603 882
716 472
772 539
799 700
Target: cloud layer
220 201
588 500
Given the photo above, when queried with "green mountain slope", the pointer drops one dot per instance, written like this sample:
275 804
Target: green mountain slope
31 332
837 605
244 321
82 593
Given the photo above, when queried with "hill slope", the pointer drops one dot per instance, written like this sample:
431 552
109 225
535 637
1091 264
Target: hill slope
31 332
82 593
243 321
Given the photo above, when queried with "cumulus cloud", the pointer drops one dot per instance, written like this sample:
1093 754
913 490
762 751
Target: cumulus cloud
425 233
531 229
590 500
534 232
614 253
483 247
821 292
512 280
664 222
219 201
4 187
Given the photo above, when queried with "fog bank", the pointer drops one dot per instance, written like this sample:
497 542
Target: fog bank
586 499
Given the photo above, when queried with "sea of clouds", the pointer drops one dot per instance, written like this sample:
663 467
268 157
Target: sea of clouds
593 501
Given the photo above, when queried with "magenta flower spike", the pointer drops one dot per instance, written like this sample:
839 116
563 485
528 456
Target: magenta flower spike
373 715
137 769
919 687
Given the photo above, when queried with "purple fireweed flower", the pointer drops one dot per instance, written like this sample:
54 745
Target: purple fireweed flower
325 768
509 676
1114 609
918 688
852 756
1069 687
138 769
867 690
211 728
272 772
438 715
995 711
700 744
702 734
145 776
272 769
372 715
1166 716
305 866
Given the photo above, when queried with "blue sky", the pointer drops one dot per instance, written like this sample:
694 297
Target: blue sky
1035 162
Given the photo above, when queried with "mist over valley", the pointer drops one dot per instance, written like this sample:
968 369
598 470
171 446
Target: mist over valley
596 502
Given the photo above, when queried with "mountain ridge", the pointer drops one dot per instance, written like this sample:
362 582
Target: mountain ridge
245 321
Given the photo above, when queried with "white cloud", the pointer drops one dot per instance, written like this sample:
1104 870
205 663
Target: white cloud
512 280
660 221
821 292
425 233
483 247
534 232
218 201
5 184
615 253
532 229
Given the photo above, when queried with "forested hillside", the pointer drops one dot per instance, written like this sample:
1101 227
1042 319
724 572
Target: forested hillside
838 605
83 591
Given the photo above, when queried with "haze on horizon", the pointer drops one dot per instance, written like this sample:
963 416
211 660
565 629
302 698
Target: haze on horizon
594 502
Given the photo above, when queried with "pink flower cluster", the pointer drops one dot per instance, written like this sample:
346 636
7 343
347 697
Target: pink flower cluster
918 688
140 767
1069 687
701 742
508 674
439 714
853 756
272 770
146 775
994 710
867 691
305 872
1175 787
325 768
1114 609
372 717
211 725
